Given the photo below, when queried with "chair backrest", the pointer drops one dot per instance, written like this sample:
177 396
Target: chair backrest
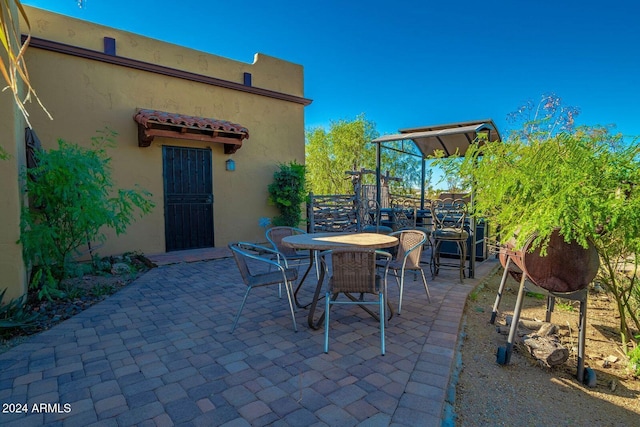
276 234
369 213
404 216
240 253
353 270
425 217
264 257
410 244
449 214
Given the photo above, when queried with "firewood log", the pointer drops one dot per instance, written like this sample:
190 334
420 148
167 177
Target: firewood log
546 349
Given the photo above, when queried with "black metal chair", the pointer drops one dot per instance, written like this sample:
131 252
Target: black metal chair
243 252
404 216
424 223
369 218
449 217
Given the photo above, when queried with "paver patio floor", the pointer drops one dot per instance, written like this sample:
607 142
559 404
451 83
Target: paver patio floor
159 352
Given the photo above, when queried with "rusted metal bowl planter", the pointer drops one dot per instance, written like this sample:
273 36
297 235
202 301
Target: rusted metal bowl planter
564 272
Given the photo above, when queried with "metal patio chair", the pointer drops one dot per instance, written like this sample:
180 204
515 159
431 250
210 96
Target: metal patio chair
369 218
353 271
244 252
449 219
295 257
407 258
404 216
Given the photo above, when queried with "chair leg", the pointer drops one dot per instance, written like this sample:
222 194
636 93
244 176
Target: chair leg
463 258
429 245
297 265
401 290
435 258
279 284
244 300
327 305
389 308
426 287
382 321
401 284
289 288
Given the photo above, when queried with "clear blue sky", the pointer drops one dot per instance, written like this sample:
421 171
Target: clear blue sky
414 63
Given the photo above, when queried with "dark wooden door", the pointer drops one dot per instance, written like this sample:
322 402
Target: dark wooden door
188 198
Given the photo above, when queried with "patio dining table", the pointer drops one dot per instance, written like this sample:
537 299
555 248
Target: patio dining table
328 241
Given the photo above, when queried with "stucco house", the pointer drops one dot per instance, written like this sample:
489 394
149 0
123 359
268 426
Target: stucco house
180 115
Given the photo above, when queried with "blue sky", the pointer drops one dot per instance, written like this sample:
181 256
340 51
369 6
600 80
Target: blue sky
414 63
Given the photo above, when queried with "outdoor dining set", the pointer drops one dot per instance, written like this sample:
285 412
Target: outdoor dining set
352 263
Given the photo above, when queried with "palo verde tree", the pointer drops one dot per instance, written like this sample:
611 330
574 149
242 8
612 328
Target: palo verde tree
13 68
583 181
12 64
347 146
72 199
344 147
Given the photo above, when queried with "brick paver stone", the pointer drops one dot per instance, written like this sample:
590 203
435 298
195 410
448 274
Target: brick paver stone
160 353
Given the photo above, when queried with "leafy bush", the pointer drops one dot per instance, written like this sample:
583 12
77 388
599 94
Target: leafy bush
634 360
287 193
72 199
535 295
583 181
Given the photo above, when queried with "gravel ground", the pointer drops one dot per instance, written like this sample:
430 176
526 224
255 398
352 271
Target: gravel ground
523 392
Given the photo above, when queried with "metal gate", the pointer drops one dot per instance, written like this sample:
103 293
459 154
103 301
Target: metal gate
188 198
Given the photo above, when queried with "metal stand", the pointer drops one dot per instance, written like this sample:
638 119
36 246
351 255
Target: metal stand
437 264
503 356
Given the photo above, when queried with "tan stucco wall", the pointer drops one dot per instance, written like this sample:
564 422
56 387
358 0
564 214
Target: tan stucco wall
13 276
85 95
12 269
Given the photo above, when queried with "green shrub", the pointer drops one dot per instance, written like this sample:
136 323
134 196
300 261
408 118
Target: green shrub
535 295
583 181
287 193
565 305
72 200
634 360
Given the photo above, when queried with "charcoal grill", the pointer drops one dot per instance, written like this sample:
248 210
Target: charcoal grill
564 272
